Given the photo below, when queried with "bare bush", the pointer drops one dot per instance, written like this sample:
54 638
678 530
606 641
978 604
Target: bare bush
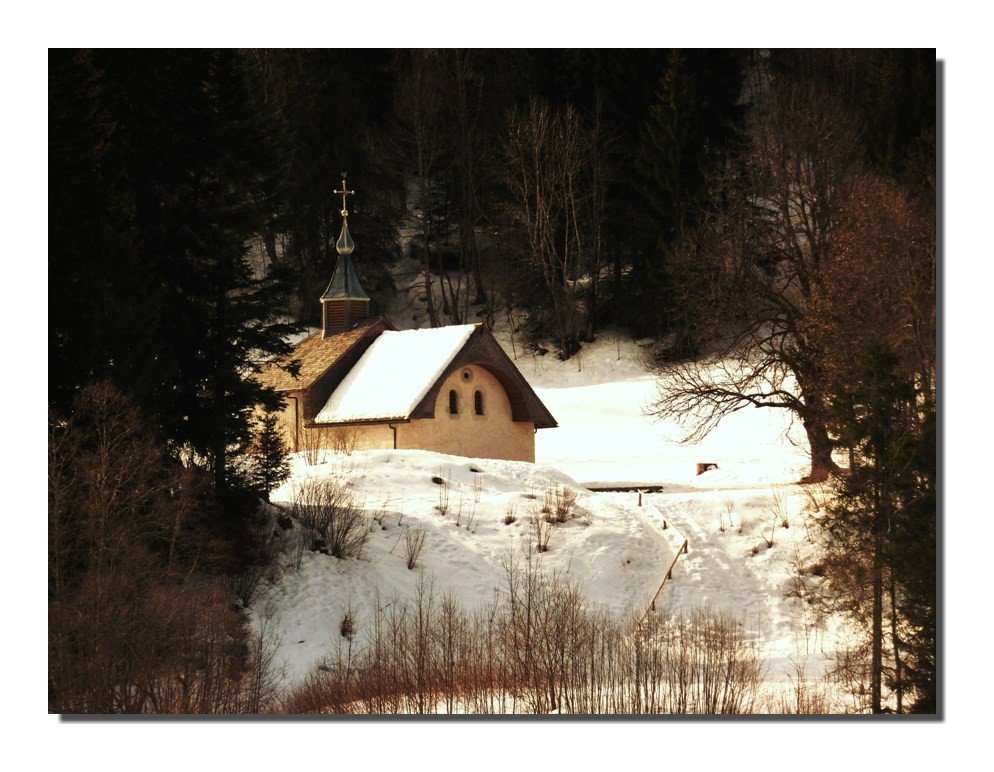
270 542
817 499
347 627
510 516
539 648
414 540
560 501
804 697
542 527
777 509
709 668
773 529
443 493
851 673
728 508
779 505
334 517
343 439
322 692
135 622
312 443
471 522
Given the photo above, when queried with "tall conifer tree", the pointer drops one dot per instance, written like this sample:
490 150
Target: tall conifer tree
882 532
163 298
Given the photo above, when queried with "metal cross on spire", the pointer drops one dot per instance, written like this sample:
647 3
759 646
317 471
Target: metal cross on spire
343 193
345 245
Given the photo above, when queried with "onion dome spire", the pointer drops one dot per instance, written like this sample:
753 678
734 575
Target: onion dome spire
344 301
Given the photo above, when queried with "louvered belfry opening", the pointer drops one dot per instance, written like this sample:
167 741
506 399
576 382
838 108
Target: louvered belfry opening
334 316
344 302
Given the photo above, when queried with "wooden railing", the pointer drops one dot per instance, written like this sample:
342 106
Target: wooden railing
684 550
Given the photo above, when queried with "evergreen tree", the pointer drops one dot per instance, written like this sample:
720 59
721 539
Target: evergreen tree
269 461
681 143
99 290
162 298
894 90
881 531
914 557
325 104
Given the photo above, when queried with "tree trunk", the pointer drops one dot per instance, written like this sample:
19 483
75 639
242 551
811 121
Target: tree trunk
895 645
877 634
822 465
220 452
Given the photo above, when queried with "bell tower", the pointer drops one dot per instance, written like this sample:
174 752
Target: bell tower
344 302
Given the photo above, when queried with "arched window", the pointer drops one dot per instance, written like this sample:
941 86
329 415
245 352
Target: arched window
478 401
453 402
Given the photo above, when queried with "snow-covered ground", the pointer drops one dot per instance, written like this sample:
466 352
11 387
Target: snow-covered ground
616 550
726 514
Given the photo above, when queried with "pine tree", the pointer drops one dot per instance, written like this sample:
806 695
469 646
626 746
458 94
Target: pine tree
164 300
269 461
682 141
881 530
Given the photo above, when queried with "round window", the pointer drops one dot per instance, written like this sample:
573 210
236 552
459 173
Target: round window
467 375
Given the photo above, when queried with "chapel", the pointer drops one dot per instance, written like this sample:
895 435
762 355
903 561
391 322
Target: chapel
360 384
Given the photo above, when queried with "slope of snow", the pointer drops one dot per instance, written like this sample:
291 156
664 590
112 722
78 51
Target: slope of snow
606 438
615 551
394 374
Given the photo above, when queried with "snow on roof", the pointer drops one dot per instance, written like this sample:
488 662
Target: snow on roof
394 374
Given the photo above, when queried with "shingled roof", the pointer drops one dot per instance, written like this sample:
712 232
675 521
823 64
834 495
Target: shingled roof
316 354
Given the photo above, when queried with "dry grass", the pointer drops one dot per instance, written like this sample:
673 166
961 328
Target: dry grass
538 648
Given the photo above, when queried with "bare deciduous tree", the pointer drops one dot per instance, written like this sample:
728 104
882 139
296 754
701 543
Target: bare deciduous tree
127 631
545 160
751 272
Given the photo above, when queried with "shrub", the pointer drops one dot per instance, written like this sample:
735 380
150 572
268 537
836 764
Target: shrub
344 440
542 528
538 648
510 516
443 494
414 540
347 627
312 443
559 503
329 511
726 513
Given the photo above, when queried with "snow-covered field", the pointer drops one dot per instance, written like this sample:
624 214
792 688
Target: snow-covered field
616 550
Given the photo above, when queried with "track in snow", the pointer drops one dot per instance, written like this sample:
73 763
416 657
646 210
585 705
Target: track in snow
721 572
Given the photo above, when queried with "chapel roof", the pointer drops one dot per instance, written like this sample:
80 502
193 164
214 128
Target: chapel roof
316 354
394 374
400 374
